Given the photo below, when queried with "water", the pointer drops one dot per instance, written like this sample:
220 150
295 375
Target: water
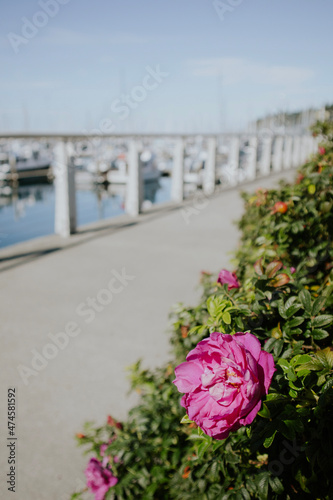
29 213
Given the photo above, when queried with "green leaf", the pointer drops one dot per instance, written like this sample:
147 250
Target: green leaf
295 322
284 364
268 347
186 420
288 429
290 302
302 481
299 359
196 437
282 309
215 491
273 396
325 356
310 365
293 310
291 375
268 441
328 290
239 324
226 318
262 484
245 494
305 298
202 470
276 484
328 385
318 305
323 320
319 334
264 412
278 347
211 306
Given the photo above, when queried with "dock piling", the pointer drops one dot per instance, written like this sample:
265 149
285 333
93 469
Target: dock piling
277 154
210 167
177 181
65 200
233 161
134 188
252 159
296 155
265 162
287 152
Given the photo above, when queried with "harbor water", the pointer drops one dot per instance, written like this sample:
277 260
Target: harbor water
28 212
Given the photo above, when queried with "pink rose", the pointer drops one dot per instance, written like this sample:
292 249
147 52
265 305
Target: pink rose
224 378
229 278
99 478
322 150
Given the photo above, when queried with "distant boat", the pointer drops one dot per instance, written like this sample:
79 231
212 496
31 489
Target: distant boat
194 166
118 174
25 170
34 170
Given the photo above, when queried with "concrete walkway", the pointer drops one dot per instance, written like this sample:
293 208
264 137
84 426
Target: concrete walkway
104 298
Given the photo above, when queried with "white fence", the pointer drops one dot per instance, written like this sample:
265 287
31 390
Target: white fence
228 160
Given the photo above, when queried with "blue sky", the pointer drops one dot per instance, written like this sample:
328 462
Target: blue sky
222 70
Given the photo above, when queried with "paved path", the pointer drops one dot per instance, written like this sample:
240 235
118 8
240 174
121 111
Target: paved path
51 286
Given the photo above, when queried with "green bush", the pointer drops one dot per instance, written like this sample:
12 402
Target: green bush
284 266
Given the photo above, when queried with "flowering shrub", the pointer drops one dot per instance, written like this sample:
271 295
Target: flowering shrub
247 433
226 277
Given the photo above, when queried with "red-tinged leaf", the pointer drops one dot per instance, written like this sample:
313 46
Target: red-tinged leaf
258 267
280 280
273 267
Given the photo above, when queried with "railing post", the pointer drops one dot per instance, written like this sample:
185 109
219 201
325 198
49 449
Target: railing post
210 167
277 154
315 144
134 187
177 180
65 203
13 170
296 158
265 161
233 161
310 145
304 149
252 159
287 153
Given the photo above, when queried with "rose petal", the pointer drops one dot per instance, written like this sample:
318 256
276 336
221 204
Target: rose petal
188 376
251 416
250 342
266 362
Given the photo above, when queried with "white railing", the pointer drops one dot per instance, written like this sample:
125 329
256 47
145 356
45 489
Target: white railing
229 159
